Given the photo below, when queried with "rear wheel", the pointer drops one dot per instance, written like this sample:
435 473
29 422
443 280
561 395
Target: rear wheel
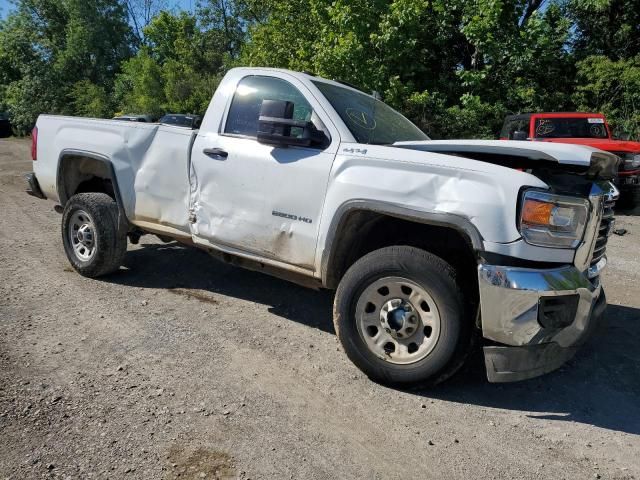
92 240
401 316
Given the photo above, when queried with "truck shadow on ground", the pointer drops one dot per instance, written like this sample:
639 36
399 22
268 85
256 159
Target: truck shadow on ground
599 387
183 269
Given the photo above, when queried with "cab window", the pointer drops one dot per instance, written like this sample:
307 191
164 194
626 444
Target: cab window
514 125
244 111
571 128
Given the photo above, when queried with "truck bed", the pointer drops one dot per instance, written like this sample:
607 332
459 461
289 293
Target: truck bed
150 163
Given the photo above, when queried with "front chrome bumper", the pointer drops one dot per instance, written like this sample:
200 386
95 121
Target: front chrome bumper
512 304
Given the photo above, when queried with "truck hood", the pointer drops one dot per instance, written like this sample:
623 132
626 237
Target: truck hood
592 161
601 143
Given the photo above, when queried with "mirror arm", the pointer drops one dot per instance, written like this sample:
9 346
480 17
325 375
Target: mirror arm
283 121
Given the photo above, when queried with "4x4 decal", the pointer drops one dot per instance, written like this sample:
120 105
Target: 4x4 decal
361 151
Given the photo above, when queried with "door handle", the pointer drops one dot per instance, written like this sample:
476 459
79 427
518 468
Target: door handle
217 153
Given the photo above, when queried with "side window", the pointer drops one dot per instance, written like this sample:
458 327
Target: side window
512 126
545 127
247 100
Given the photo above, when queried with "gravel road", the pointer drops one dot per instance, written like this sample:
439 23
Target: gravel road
179 366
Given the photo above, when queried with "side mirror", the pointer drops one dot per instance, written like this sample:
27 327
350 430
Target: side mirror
276 122
519 135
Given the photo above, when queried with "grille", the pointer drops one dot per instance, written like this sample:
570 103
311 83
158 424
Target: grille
606 225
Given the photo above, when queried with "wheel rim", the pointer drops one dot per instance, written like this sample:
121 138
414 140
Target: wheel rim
398 320
82 235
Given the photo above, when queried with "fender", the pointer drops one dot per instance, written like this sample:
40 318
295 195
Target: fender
440 219
63 194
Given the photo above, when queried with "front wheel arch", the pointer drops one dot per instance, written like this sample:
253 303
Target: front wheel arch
356 226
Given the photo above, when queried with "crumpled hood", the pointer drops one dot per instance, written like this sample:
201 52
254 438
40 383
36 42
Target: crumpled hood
606 144
596 162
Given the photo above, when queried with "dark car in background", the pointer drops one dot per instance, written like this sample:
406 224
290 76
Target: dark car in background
135 118
182 120
5 125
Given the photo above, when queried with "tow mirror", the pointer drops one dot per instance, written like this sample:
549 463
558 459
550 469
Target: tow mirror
519 135
277 127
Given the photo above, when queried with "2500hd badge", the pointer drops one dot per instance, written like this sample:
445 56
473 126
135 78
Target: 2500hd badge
291 217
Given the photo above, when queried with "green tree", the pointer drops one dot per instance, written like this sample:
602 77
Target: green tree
455 67
176 70
48 46
605 27
467 60
140 87
90 100
613 88
140 13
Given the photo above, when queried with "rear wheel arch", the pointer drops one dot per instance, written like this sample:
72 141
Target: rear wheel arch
77 168
86 172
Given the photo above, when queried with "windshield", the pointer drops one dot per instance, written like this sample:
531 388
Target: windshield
369 120
571 128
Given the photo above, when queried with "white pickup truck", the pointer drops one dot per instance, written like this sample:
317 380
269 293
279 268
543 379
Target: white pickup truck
431 245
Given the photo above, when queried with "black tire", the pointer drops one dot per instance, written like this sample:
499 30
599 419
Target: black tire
110 241
438 279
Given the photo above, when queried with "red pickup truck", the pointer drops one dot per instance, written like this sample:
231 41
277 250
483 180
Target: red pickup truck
589 129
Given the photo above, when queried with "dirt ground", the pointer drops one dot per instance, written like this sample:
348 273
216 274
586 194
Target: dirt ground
181 366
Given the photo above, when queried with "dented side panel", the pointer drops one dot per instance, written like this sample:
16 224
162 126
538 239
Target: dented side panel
262 199
484 194
162 180
149 162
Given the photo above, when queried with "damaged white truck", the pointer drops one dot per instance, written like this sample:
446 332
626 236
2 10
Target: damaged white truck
431 245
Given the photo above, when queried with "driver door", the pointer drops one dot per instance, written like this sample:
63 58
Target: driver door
261 200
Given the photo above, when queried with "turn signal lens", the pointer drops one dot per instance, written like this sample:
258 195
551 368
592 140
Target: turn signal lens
536 213
549 220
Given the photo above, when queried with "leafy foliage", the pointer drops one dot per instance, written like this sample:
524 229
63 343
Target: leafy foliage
90 100
455 67
48 46
139 88
611 87
606 27
467 61
176 70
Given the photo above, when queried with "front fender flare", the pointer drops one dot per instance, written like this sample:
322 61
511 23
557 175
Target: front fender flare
441 219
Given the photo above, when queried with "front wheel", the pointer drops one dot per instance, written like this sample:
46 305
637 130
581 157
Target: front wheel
401 316
92 240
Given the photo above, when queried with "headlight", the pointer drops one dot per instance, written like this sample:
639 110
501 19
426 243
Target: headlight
551 220
631 161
